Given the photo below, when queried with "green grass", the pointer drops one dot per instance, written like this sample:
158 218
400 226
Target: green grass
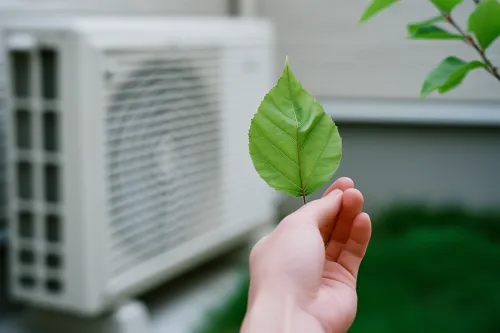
228 317
425 271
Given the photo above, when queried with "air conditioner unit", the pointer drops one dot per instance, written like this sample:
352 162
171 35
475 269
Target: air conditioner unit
128 155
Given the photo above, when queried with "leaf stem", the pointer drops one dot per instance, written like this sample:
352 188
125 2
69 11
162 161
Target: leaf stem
469 40
304 199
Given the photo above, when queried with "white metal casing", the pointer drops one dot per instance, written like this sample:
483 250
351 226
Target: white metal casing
86 69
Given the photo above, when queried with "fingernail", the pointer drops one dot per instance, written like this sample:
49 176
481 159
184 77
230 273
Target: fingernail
335 193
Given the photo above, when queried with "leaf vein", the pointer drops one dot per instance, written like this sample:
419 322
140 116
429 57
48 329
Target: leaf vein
309 111
273 102
320 155
272 122
276 147
313 127
302 187
257 152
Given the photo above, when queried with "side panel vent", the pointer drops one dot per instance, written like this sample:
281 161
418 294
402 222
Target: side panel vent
50 131
35 117
21 77
49 75
163 151
24 129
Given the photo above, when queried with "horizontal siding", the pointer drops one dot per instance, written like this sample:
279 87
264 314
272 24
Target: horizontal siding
335 56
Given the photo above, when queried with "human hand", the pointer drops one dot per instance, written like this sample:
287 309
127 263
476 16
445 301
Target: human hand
297 284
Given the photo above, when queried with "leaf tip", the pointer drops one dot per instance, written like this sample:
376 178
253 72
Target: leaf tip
287 69
424 93
374 8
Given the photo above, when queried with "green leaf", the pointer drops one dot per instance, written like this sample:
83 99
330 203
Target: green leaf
446 6
427 30
484 22
294 145
431 32
448 75
428 22
375 7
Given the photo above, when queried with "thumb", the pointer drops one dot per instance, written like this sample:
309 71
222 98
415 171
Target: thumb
323 212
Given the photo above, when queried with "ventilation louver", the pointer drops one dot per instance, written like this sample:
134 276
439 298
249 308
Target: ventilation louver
163 151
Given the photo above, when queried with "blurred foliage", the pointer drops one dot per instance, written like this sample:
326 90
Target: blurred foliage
228 317
427 270
432 271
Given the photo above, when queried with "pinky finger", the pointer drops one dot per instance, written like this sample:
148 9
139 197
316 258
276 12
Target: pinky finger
353 252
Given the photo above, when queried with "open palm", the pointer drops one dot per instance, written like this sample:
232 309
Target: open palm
314 254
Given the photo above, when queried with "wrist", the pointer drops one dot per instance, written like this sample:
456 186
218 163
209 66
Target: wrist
269 312
276 311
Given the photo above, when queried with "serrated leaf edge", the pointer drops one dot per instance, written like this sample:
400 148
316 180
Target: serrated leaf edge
302 189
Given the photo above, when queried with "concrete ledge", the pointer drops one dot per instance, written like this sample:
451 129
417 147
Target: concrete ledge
414 112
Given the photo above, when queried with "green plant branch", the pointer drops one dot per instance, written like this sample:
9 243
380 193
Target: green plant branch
468 39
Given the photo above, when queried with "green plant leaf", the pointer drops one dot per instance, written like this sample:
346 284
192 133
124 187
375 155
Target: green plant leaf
428 22
446 6
431 32
294 145
427 30
448 75
375 7
484 22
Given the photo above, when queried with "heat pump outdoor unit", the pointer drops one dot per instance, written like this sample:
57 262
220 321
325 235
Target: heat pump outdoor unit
127 151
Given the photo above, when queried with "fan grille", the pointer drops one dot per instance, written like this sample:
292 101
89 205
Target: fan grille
163 151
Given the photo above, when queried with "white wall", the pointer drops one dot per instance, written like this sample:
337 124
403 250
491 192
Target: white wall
173 7
335 56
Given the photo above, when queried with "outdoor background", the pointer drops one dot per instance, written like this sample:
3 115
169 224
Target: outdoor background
429 170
